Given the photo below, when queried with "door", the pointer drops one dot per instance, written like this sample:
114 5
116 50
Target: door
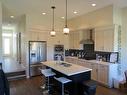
103 74
42 51
7 46
37 52
99 40
108 40
94 73
33 52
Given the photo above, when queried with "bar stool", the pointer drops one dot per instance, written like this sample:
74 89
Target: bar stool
48 73
63 80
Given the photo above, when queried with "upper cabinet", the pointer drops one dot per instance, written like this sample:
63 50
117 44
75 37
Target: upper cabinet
106 39
74 40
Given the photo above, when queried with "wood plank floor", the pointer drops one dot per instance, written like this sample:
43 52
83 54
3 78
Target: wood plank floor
31 87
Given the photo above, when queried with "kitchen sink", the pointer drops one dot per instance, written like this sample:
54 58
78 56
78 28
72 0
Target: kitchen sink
65 64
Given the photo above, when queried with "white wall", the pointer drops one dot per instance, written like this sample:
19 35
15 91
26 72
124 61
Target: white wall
124 39
97 18
0 32
21 28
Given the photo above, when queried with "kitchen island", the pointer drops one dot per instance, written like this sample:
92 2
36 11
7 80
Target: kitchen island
76 73
102 72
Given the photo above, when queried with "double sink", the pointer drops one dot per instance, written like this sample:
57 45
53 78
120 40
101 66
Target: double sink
65 64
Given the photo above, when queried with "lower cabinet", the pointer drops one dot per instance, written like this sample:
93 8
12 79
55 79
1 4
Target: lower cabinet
94 74
103 73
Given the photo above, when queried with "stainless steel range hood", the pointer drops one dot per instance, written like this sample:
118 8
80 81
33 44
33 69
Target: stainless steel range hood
89 40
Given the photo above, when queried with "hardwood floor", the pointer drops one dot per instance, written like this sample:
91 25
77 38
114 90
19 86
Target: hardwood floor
31 87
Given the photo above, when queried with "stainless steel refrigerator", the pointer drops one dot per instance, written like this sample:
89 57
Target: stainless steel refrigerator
37 54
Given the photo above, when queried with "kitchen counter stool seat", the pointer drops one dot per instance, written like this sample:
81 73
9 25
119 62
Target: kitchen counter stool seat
89 87
47 73
63 80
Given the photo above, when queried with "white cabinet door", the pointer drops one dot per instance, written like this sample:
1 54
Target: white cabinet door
103 74
104 39
99 40
94 73
108 40
71 40
76 40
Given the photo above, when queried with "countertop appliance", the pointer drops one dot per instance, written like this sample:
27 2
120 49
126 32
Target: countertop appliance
37 54
113 57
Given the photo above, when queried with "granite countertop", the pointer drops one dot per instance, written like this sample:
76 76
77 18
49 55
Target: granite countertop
93 61
71 69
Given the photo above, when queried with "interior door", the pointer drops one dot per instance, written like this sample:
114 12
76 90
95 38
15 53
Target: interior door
7 46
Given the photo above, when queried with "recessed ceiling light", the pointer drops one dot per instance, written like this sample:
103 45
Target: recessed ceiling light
75 12
62 17
93 4
11 16
44 13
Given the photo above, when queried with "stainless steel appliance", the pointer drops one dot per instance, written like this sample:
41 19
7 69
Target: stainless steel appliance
37 54
59 52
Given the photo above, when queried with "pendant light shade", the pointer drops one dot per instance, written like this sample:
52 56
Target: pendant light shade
53 33
66 29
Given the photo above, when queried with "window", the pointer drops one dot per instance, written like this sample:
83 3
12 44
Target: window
6 46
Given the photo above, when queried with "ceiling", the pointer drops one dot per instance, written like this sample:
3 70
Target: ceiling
20 7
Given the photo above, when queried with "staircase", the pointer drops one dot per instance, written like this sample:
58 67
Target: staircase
16 75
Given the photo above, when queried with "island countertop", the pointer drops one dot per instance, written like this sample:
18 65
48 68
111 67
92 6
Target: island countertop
73 69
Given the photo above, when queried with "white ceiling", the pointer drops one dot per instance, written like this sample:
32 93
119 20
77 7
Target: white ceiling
20 7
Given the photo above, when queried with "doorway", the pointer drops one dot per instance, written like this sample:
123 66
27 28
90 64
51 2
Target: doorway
11 50
7 44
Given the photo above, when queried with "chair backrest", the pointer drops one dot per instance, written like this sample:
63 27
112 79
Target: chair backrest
125 75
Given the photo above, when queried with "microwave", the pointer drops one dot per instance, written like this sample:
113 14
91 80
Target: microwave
59 48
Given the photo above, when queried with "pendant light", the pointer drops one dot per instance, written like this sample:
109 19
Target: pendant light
53 33
66 29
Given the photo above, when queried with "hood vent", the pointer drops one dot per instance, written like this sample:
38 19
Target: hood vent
88 41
